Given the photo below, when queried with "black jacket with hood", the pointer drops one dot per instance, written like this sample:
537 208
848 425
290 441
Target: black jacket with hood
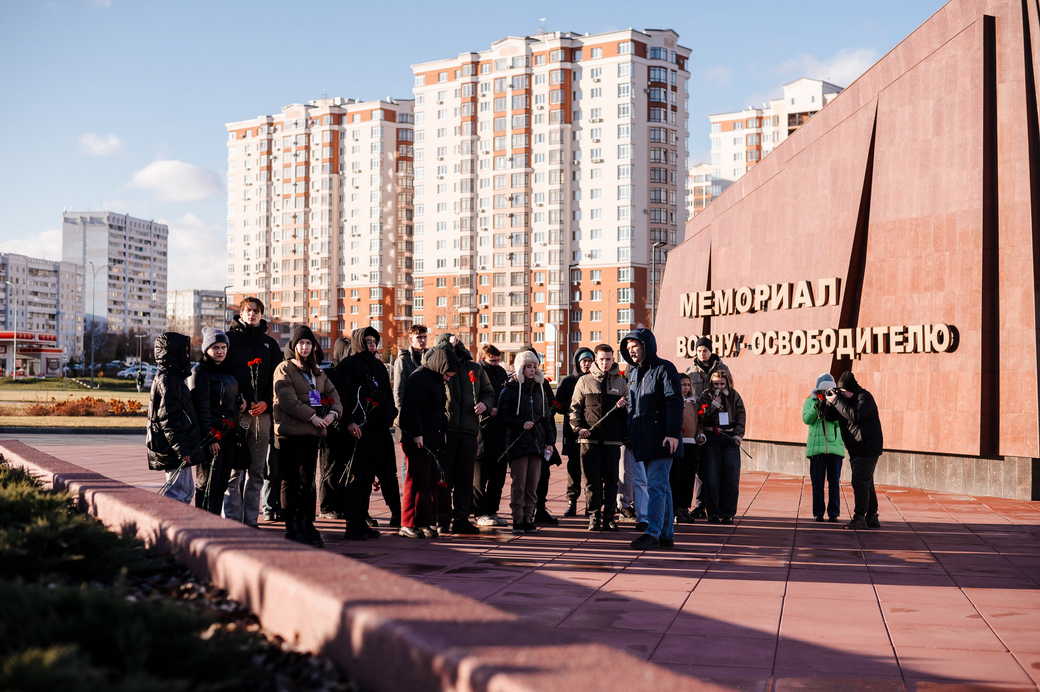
469 387
563 400
407 361
492 432
246 344
857 418
173 426
654 399
522 401
214 391
700 374
363 383
423 401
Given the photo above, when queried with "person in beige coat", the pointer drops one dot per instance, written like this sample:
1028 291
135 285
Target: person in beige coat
305 405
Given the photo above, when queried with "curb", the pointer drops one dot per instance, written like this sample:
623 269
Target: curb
386 631
66 430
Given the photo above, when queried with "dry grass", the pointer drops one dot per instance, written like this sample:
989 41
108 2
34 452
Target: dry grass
86 406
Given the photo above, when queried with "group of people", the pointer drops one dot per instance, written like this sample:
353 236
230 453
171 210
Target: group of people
250 429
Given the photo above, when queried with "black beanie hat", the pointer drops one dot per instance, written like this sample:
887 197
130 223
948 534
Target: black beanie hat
704 341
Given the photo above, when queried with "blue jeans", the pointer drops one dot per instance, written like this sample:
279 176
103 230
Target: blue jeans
182 487
242 497
633 486
659 509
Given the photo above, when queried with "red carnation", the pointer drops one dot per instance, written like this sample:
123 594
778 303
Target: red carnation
472 377
255 361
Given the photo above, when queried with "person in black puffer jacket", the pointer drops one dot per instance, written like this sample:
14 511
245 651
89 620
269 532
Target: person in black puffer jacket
363 383
581 363
527 414
489 473
253 356
856 412
173 438
424 429
214 391
722 417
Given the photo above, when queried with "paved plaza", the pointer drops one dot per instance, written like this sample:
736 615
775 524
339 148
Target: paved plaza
947 593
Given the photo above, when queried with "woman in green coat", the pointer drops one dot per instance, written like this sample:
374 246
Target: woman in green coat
825 451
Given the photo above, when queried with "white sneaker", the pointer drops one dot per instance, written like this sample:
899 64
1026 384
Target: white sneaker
486 520
500 521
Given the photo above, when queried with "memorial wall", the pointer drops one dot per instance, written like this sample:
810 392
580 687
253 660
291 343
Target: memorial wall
897 233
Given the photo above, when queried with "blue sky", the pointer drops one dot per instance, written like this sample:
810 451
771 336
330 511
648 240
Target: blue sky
121 104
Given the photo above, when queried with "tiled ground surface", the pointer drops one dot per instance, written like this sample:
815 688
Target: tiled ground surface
946 595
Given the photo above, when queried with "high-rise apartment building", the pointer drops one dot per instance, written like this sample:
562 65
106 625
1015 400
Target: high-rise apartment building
549 178
189 310
702 187
124 269
43 301
740 139
320 214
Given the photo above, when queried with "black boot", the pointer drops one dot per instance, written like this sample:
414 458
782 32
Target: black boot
542 516
572 509
310 535
609 523
293 531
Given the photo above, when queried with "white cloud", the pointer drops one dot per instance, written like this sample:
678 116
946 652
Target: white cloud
177 181
719 75
101 3
46 244
842 68
99 145
196 253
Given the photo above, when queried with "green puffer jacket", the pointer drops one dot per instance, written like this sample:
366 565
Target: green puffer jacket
824 435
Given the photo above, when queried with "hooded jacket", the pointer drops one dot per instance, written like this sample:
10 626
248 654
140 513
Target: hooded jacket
654 399
292 393
824 435
407 362
563 400
363 384
469 387
214 392
173 426
731 403
595 396
700 373
423 401
492 432
246 344
525 400
857 418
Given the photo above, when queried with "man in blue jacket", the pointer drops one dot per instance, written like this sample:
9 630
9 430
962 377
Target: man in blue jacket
654 430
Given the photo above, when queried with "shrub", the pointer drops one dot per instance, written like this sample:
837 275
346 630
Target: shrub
86 406
42 535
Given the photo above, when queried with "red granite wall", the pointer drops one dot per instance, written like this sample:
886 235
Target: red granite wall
917 188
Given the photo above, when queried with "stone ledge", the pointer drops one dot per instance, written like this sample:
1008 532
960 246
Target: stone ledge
386 631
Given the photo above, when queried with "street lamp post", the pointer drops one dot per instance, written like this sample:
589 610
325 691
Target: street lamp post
14 326
653 280
93 320
226 318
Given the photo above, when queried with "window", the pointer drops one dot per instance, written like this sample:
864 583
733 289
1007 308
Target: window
625 48
624 295
624 316
624 274
596 53
596 295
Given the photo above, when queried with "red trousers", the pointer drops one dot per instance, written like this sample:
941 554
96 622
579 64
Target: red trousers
419 501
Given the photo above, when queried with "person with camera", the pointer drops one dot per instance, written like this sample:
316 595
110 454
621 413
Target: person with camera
305 405
824 449
173 439
218 403
856 413
722 420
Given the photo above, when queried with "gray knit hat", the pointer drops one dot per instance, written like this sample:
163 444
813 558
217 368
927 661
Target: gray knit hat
825 382
212 335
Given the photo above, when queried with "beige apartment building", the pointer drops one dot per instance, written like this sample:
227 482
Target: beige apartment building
549 185
188 310
320 215
740 139
702 187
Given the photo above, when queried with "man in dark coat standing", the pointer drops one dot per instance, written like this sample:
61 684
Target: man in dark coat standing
369 413
654 430
856 412
489 473
581 362
253 356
